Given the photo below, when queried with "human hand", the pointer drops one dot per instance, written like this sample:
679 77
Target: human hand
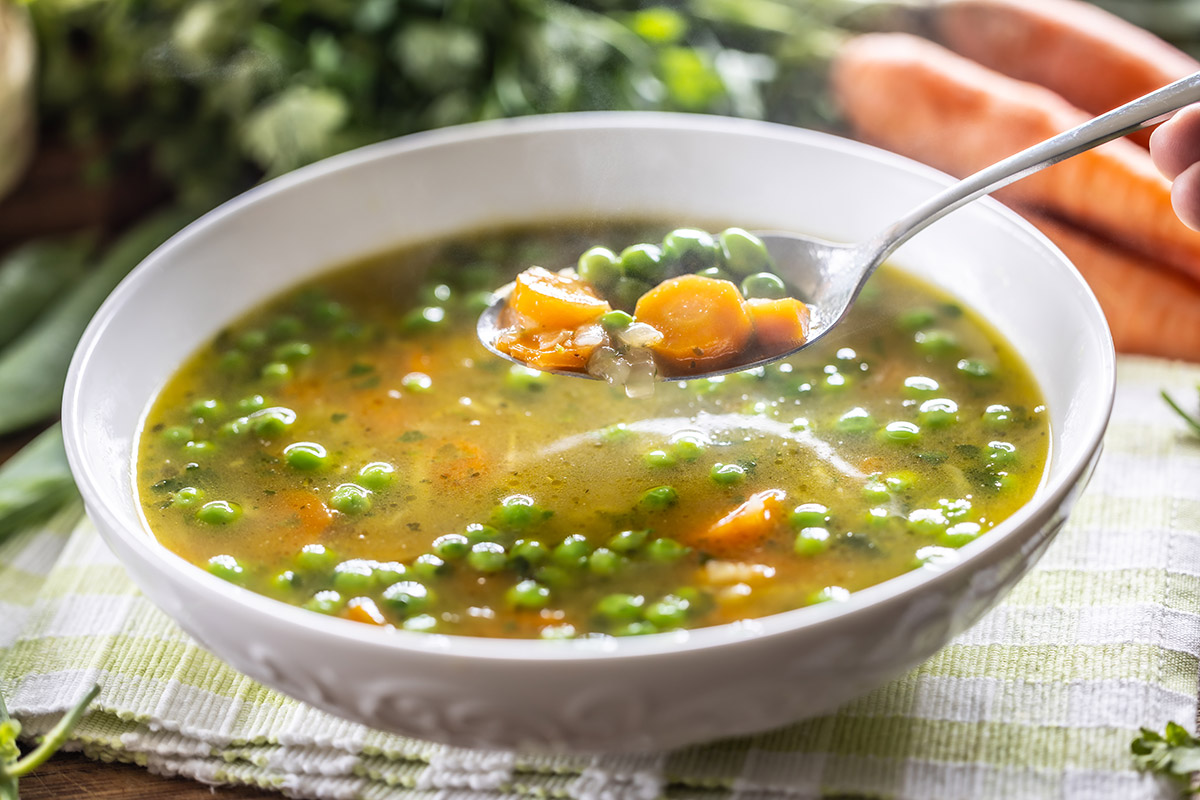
1175 150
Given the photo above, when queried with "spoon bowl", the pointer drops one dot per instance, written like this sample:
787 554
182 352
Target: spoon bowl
828 276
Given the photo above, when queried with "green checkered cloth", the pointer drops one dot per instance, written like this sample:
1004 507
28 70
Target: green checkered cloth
1039 700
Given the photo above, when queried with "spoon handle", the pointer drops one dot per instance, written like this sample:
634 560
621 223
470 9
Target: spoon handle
1128 118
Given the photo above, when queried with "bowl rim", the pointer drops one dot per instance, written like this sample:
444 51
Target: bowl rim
805 619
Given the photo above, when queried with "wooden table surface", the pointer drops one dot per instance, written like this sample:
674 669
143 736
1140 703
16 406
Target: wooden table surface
74 775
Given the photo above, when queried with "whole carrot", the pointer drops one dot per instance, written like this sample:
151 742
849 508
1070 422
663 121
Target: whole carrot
1094 59
1150 309
917 98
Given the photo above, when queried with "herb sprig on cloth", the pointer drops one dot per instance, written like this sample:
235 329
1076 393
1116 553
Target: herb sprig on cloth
14 766
1173 754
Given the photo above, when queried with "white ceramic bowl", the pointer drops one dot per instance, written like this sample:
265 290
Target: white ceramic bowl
654 691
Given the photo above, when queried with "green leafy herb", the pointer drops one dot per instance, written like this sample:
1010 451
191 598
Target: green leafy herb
1173 754
1193 422
12 766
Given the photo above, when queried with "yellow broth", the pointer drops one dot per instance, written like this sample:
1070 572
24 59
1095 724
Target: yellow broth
351 448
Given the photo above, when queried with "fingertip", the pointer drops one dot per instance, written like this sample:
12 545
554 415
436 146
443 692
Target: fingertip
1175 144
1185 196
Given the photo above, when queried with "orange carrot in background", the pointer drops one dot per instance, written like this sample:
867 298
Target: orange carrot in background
1092 58
1150 309
917 98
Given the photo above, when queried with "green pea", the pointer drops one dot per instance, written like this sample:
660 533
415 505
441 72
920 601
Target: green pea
354 577
284 327
387 573
452 546
271 422
900 432
974 367
998 417
420 623
424 320
670 611
901 481
727 474
528 594
834 382
417 383
643 262
187 497
351 499
435 294
234 427
227 568
178 434
487 557
325 602
429 566
916 319
600 267
1000 453
809 515
252 339
690 250
716 274
530 552
250 404
657 459
621 607
526 378
959 534
856 420
572 551
936 342
306 456
875 491
218 512
919 386
686 449
811 542
328 312
927 522
877 518
407 597
553 576
562 630
377 476
315 558
617 320
285 582
635 628
478 532
830 594
627 291
659 498
233 361
743 253
938 413
518 512
665 550
764 285
604 562
627 541
206 409
276 372
198 449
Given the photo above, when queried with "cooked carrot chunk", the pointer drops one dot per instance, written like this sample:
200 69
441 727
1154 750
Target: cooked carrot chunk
746 526
555 302
363 609
704 322
779 325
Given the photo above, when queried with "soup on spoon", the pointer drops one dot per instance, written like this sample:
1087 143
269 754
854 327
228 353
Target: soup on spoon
694 304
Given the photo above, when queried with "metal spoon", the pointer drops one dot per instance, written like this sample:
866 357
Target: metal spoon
831 274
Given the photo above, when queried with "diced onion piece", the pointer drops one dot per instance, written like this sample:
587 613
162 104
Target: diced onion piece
639 334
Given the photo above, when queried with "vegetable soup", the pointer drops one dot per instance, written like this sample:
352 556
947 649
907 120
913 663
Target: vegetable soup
353 449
